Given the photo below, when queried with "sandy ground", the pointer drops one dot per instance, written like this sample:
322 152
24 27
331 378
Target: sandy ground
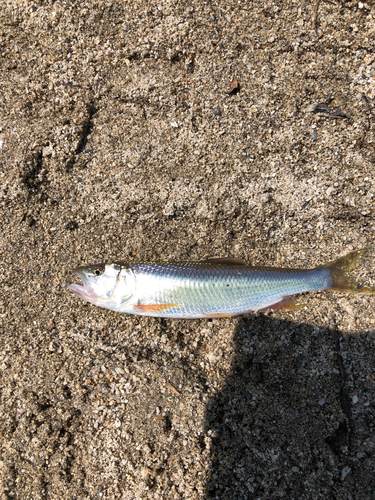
120 138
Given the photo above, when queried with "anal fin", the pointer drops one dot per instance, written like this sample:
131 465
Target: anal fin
219 315
287 303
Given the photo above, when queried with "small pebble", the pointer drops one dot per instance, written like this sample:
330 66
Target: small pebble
322 401
355 399
295 469
217 111
314 136
247 394
345 471
191 69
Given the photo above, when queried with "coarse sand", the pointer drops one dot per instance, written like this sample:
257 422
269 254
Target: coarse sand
179 131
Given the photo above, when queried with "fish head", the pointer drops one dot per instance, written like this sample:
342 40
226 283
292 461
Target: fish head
104 285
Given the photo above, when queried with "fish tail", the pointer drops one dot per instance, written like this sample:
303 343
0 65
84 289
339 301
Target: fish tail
341 282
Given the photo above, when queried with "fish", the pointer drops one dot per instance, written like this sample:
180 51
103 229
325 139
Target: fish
212 288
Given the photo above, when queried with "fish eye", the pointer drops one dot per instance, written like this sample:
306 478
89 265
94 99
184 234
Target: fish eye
98 271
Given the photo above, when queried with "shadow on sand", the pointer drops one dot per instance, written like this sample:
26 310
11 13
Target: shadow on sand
284 424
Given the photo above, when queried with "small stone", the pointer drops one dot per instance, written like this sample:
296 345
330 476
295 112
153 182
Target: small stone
355 399
234 86
295 469
191 69
345 471
314 136
33 8
247 394
217 111
174 124
360 5
322 401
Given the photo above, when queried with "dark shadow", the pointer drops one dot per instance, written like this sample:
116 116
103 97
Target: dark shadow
284 424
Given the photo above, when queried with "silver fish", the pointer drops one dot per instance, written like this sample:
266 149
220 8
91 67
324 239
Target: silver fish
208 289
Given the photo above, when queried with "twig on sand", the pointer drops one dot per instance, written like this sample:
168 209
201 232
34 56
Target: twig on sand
173 389
315 13
370 119
323 110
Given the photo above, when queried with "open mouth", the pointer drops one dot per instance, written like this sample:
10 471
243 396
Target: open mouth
82 290
76 289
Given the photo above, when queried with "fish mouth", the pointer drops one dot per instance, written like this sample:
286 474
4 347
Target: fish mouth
83 291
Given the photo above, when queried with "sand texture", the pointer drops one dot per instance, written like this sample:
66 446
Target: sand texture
180 131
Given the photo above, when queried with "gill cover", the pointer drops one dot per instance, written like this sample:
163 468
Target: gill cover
126 286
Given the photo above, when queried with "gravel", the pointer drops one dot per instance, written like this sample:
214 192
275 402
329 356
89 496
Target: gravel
110 149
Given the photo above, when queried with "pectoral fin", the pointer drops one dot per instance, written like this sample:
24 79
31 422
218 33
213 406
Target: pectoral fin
153 307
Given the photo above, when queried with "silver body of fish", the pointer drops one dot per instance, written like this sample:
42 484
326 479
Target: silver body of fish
208 289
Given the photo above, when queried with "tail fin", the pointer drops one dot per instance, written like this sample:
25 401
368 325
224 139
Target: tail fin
340 281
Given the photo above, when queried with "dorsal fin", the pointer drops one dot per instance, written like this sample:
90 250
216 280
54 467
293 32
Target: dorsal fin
227 261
